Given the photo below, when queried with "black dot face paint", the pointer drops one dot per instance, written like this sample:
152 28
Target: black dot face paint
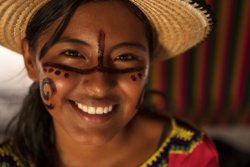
99 67
133 77
140 75
92 70
47 96
51 70
58 72
66 75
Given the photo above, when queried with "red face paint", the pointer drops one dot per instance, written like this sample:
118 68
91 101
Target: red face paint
58 72
133 77
47 96
140 75
92 70
99 67
51 70
66 75
101 47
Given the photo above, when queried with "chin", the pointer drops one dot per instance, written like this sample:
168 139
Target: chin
93 137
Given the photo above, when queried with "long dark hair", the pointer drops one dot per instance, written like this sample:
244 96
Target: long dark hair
33 132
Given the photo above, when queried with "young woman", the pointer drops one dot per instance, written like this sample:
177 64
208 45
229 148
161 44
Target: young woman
89 61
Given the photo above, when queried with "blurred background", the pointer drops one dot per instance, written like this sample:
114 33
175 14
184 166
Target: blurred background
209 85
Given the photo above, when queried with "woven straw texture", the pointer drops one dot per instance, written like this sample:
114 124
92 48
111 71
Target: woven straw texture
178 24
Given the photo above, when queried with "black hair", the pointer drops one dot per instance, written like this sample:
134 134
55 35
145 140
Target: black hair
33 133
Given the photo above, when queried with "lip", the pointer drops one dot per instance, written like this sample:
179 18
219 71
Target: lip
93 118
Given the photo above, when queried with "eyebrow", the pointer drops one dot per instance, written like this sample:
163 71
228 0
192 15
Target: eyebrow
125 44
130 45
73 40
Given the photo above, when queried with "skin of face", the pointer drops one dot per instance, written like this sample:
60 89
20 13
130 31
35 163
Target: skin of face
98 88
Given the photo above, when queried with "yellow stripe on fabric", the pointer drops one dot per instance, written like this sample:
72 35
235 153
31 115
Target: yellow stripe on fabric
176 131
245 17
187 152
6 150
219 54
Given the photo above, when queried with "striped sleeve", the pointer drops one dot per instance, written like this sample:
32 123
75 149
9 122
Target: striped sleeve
204 154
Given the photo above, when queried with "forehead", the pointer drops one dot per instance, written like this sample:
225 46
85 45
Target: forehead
114 18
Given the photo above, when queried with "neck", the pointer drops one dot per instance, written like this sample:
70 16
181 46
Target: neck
71 153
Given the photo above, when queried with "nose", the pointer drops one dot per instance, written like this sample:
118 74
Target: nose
98 84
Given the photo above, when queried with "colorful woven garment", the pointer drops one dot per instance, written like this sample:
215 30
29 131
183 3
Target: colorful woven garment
186 146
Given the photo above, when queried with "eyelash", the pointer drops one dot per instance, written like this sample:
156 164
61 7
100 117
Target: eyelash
132 57
67 52
80 55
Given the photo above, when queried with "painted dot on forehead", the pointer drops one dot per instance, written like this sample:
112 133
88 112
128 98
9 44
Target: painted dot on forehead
51 70
133 77
66 75
58 72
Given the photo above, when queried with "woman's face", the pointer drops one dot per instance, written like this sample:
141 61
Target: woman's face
92 79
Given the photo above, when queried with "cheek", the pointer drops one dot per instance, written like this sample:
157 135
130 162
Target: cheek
59 84
132 86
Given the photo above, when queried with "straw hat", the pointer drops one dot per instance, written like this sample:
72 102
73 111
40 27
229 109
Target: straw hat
178 24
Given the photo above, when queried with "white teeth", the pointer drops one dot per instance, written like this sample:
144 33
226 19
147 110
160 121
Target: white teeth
79 105
85 108
106 109
93 110
99 110
110 108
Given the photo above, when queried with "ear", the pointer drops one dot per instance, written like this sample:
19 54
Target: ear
29 60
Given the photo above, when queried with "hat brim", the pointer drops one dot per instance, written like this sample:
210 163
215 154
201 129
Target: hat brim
178 25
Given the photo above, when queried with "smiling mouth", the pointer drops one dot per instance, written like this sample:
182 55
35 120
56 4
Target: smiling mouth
94 110
95 115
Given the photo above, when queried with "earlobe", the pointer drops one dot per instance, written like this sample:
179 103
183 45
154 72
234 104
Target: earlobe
29 60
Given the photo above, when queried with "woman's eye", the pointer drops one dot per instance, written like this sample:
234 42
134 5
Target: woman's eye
72 53
125 57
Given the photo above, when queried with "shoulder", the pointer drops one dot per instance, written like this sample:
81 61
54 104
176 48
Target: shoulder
7 157
190 146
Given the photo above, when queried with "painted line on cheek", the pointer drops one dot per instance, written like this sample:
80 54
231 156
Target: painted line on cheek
49 107
92 70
